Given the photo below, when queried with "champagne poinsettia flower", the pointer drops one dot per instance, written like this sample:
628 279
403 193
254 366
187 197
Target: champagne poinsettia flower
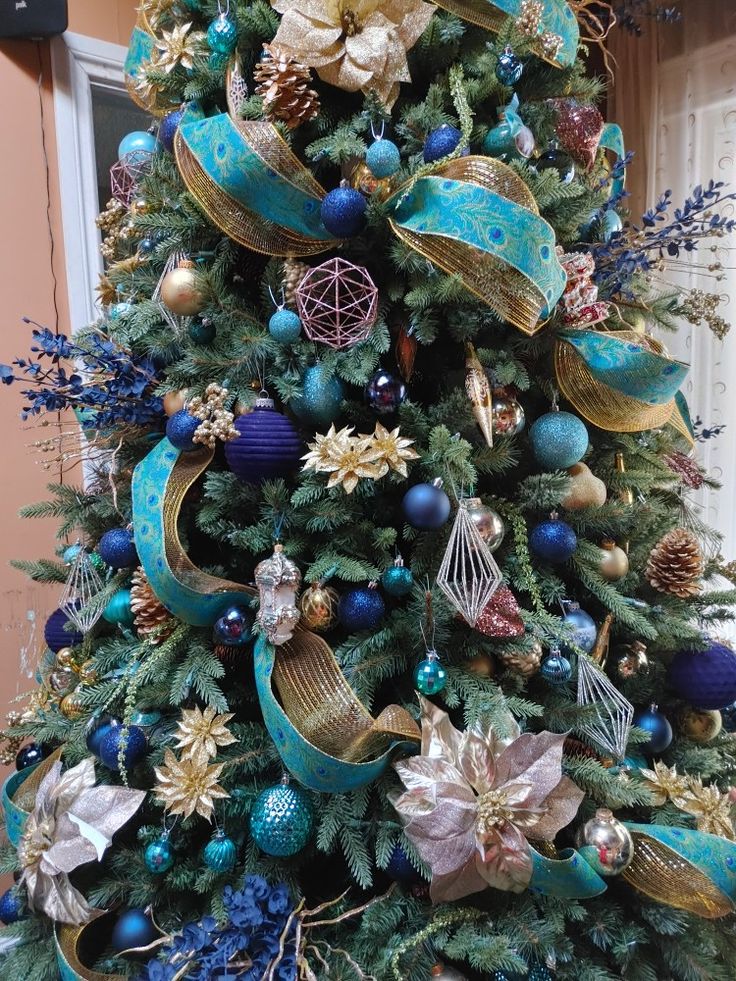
356 45
473 800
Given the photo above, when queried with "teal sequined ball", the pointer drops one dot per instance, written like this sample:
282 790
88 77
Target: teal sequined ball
281 820
220 853
397 580
159 856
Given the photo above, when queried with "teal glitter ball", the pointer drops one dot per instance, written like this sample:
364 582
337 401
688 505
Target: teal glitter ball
281 820
222 35
383 158
430 677
321 399
159 856
118 609
220 853
202 331
71 553
556 669
397 580
559 440
285 326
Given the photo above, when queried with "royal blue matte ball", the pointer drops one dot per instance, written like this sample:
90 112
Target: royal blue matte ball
384 392
11 908
97 729
556 669
557 160
281 820
383 158
180 430
509 68
361 609
705 677
285 326
234 628
56 637
558 439
397 580
29 755
202 331
442 141
659 728
267 445
139 143
135 748
343 212
553 540
134 928
159 856
322 396
167 129
222 35
426 507
117 548
400 869
581 627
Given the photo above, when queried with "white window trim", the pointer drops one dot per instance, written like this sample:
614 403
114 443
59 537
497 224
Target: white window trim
78 63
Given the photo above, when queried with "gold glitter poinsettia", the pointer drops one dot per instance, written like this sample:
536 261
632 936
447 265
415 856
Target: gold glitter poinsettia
348 458
354 44
665 783
394 449
473 799
710 807
189 785
200 733
178 47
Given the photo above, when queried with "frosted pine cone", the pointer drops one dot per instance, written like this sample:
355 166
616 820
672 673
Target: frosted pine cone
676 564
152 619
283 84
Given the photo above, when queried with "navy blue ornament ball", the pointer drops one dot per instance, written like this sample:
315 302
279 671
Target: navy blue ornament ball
442 141
557 160
558 439
56 637
426 507
135 748
553 540
234 627
167 129
400 869
29 755
180 430
706 678
343 212
117 548
133 929
509 68
267 444
657 725
581 626
97 729
361 609
11 908
384 392
202 331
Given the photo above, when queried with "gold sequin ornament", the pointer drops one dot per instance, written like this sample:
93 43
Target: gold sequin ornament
318 605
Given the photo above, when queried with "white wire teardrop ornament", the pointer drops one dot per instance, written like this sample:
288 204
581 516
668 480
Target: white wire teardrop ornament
82 585
177 323
468 575
611 715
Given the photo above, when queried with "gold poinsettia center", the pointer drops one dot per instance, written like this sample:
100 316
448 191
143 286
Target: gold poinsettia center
493 811
35 842
350 21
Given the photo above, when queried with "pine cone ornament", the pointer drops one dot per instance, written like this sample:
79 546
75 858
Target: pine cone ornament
676 564
152 619
294 273
283 84
524 661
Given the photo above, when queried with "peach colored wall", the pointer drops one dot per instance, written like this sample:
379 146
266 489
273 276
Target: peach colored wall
27 288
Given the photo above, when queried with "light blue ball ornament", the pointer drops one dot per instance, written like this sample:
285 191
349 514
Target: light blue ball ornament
610 225
281 820
222 35
159 855
653 722
554 541
70 554
220 853
556 669
383 158
581 628
119 310
118 610
285 326
138 143
322 396
558 440
429 676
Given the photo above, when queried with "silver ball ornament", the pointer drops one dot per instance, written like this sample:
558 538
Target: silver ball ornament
508 415
442 973
488 523
611 840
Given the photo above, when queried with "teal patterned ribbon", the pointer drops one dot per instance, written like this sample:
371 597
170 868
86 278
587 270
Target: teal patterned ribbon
612 138
15 818
627 367
140 50
568 877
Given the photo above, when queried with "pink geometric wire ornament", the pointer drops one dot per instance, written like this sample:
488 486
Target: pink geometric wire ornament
127 173
337 303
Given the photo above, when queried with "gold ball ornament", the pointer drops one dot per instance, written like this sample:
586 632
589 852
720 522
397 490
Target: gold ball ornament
361 179
482 665
174 401
141 206
318 605
700 726
613 563
586 490
71 706
489 524
88 673
634 661
65 657
180 290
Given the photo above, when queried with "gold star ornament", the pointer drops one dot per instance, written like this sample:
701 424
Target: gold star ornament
189 786
200 733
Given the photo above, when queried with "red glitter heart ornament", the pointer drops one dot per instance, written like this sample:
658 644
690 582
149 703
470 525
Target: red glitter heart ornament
579 130
501 617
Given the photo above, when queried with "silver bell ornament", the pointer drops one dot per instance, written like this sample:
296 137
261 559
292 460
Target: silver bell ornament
278 580
607 844
441 973
488 522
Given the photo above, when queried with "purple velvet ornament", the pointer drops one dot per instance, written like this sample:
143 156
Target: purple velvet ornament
56 637
705 678
268 445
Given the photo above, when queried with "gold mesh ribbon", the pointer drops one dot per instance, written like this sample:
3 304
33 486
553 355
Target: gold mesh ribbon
71 943
324 708
663 875
25 796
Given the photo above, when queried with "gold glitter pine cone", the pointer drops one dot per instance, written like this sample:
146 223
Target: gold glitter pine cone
152 619
283 84
676 564
525 662
294 273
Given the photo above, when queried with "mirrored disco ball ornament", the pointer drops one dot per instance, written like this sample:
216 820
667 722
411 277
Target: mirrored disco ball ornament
337 303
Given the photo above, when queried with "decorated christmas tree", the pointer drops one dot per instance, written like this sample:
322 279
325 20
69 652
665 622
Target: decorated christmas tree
388 635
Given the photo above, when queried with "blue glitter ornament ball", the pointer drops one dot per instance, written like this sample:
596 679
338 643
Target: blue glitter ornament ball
222 35
430 677
56 637
138 143
558 439
220 853
384 392
556 669
537 972
118 610
581 627
159 856
167 129
509 68
134 928
135 748
705 677
383 158
117 548
322 395
554 159
397 580
426 507
202 331
657 725
180 430
285 326
11 908
400 869
553 540
281 820
234 628
97 729
442 141
267 446
361 609
29 755
343 212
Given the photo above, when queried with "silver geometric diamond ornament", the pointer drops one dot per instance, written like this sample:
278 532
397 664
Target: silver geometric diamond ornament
610 722
178 324
81 586
468 575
